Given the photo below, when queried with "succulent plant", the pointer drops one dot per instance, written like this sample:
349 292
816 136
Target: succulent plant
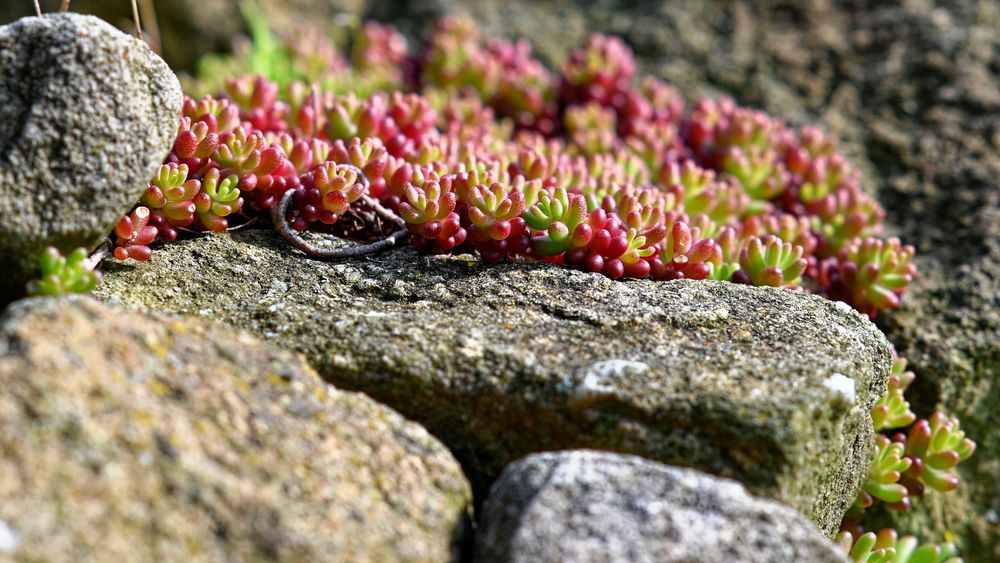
770 261
61 275
471 143
893 410
870 273
887 547
134 234
883 478
935 447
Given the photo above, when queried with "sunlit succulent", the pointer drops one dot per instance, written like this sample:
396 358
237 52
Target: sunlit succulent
134 234
893 410
562 220
883 478
935 447
474 145
219 198
770 261
870 274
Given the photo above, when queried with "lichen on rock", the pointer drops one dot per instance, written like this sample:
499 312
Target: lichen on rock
127 437
502 361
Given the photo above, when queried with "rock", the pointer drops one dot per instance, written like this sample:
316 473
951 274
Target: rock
770 387
133 438
87 115
595 506
213 23
913 91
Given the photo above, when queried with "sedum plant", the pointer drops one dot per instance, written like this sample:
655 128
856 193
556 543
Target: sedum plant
887 547
471 144
912 457
63 274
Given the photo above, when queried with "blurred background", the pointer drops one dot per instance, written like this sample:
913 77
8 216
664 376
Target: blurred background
911 88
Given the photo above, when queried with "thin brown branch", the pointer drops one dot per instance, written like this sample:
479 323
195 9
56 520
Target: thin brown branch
98 256
135 17
281 225
65 6
382 212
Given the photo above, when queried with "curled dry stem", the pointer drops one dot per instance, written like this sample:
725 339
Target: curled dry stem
98 256
279 215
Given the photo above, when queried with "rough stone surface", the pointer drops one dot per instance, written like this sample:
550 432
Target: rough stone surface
132 438
912 87
501 361
595 506
87 114
189 29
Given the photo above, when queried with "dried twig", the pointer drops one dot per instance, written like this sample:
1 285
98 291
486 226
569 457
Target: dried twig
98 256
280 211
65 6
38 9
135 17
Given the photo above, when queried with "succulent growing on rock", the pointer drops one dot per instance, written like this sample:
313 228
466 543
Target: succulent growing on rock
906 465
600 171
887 547
63 274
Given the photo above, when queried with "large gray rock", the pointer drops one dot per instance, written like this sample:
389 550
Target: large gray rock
770 387
132 438
584 506
87 114
913 90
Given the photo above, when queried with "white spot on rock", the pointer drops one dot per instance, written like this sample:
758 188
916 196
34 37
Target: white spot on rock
472 346
841 384
844 307
8 539
597 380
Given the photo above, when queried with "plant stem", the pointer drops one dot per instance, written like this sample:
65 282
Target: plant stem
135 17
98 256
280 210
38 9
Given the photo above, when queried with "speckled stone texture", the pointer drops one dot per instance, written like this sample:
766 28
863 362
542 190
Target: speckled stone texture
87 115
585 506
770 387
125 437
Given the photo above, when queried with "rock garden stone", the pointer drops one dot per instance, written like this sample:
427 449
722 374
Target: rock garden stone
597 506
770 387
87 114
125 437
